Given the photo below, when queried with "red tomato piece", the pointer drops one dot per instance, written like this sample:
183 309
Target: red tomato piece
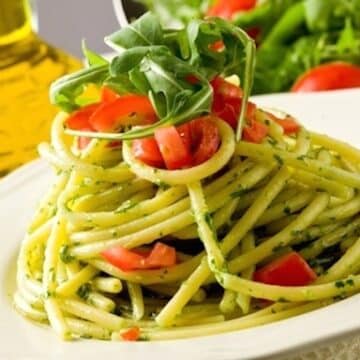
108 95
173 150
226 9
224 89
288 270
185 134
82 141
147 151
125 110
161 256
192 79
217 46
132 334
289 124
206 139
124 259
79 119
255 133
331 76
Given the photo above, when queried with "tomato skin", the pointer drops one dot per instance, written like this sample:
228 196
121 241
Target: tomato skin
147 151
227 101
331 76
124 259
289 124
288 270
108 95
161 256
79 119
124 110
255 133
226 9
206 139
132 334
173 150
186 135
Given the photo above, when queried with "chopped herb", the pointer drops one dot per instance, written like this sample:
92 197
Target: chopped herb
350 282
65 255
279 159
83 291
282 300
339 284
287 210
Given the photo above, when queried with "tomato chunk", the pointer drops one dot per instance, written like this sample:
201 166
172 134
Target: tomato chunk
161 256
288 270
173 150
79 119
147 151
289 124
332 76
108 95
124 259
255 133
206 139
226 9
123 111
132 334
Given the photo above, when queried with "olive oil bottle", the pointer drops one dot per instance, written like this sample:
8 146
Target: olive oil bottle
28 65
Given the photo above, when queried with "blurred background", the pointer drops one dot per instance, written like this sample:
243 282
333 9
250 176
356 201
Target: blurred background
98 20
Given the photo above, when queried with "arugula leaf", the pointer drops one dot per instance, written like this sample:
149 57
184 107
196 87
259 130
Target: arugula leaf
157 62
64 91
177 13
92 58
145 31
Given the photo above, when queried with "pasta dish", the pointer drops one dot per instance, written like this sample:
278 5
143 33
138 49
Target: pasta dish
179 208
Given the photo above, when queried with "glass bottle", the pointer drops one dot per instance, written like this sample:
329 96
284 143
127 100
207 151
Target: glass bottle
28 65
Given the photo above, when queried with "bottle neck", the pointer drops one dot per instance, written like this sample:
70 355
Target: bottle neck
15 21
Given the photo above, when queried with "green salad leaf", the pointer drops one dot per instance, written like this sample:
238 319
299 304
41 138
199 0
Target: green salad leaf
157 62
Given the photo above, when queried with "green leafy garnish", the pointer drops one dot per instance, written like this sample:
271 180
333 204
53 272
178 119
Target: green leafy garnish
157 62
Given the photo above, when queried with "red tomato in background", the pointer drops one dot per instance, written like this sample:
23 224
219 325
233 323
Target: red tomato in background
226 9
331 76
288 270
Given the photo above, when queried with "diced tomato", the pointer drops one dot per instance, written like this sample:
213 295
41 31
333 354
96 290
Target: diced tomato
192 79
226 9
132 334
79 119
186 135
173 150
82 141
147 151
206 139
288 270
255 133
332 76
124 259
227 102
161 256
289 124
217 46
108 95
123 111
254 33
225 90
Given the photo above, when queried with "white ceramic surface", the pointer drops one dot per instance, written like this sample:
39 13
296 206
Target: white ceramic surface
336 113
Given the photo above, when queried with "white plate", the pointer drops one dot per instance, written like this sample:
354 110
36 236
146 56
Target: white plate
335 113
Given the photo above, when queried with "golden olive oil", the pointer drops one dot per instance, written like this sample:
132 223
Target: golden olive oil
28 65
